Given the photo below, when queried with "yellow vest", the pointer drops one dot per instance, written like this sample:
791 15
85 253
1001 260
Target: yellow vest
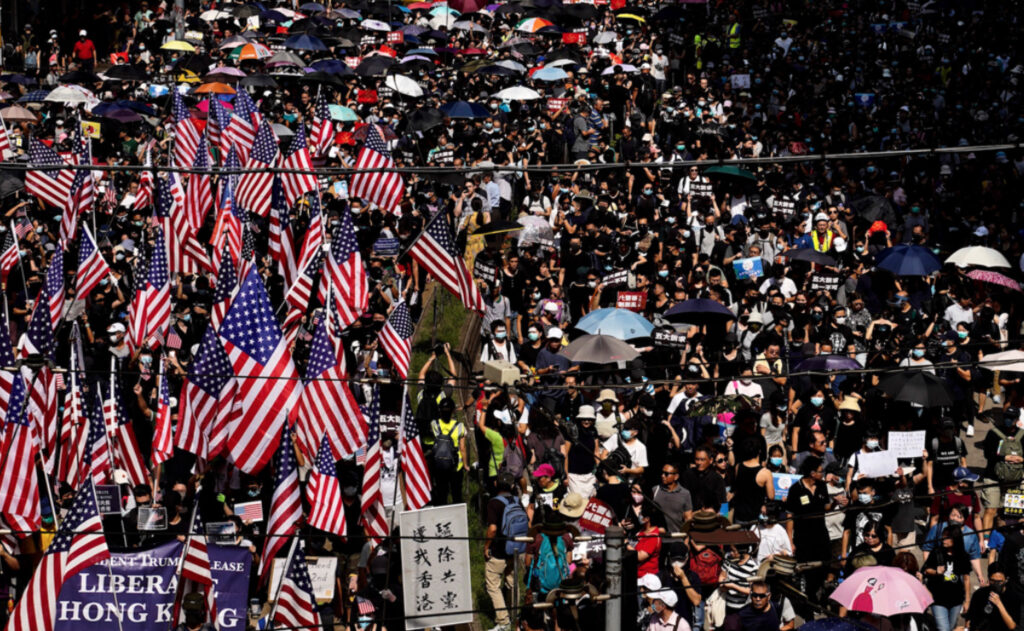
734 35
823 246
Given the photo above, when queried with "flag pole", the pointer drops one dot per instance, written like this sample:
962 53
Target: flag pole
110 573
21 266
399 479
280 583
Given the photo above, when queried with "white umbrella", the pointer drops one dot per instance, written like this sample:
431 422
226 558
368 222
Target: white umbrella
535 230
214 14
974 255
517 93
374 25
73 95
442 21
624 67
1006 361
511 65
466 25
403 85
558 63
605 37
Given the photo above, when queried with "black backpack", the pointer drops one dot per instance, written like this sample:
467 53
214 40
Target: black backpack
553 457
446 454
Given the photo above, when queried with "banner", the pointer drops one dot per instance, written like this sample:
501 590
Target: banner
752 268
144 584
91 129
555 104
435 567
635 301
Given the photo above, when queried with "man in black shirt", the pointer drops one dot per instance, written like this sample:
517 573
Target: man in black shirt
706 486
988 610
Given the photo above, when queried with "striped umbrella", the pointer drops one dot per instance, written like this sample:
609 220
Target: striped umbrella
251 51
532 25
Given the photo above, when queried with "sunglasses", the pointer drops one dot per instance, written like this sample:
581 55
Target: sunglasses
758 596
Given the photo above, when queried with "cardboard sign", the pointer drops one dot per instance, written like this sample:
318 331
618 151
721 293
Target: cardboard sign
877 464
91 129
435 567
108 499
396 37
752 268
386 247
579 39
740 81
824 281
634 301
321 574
556 103
784 206
701 189
670 339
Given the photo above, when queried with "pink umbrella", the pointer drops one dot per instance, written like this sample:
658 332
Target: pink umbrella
883 591
995 278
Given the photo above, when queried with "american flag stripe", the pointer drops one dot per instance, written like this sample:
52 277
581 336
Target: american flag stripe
323 127
144 195
285 505
301 179
195 567
373 515
5 142
19 490
55 285
245 120
99 465
281 246
127 455
296 603
163 442
313 241
198 194
206 396
255 187
344 274
323 491
53 186
434 250
217 123
396 338
385 189
79 544
92 268
9 256
186 135
415 473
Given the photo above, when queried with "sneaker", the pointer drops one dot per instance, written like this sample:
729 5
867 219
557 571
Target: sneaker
997 399
970 431
500 627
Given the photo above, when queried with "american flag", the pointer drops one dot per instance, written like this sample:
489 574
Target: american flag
74 428
266 378
281 244
184 254
50 185
98 459
323 127
91 266
313 241
206 401
55 285
79 544
296 602
382 188
302 179
82 193
38 339
109 196
365 606
195 566
396 338
156 301
344 274
298 296
217 122
286 503
228 230
5 143
435 251
136 320
327 405
186 135
374 517
255 186
245 120
127 455
163 441
198 194
9 255
323 492
249 511
19 489
227 282
7 377
144 195
414 463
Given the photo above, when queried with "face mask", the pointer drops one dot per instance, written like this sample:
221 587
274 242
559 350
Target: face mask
872 443
113 339
146 360
364 622
864 498
536 295
817 316
500 335
962 335
119 256
776 461
918 353
253 492
686 234
817 401
533 335
186 318
626 434
592 283
104 282
637 498
841 320
663 273
648 191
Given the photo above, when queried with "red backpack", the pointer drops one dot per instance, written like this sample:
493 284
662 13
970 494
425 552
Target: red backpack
707 564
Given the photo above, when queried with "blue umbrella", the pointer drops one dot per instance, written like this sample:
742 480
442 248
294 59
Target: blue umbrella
35 96
618 323
836 624
550 74
303 41
312 7
699 311
908 260
332 66
464 109
20 79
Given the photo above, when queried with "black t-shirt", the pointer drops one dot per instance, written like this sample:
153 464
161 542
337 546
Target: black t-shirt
945 458
947 585
981 621
808 509
1012 557
581 454
616 496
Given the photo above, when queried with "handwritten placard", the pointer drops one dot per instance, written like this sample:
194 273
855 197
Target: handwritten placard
321 574
877 464
435 567
907 444
352 62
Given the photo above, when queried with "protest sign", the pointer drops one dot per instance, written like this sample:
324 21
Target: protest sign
877 464
386 247
352 62
579 39
752 268
435 567
396 37
740 81
634 301
783 482
91 129
616 279
108 499
321 574
670 339
484 269
825 281
555 104
907 444
144 583
152 518
701 189
1013 502
445 156
783 206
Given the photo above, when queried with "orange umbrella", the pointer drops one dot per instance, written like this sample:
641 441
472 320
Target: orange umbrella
215 87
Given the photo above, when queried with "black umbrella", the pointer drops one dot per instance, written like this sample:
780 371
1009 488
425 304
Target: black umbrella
599 349
375 66
80 77
809 255
920 387
414 65
425 118
874 208
246 10
699 311
127 72
258 81
10 184
198 64
321 77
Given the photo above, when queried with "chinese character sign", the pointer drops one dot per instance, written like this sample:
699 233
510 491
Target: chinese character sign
435 567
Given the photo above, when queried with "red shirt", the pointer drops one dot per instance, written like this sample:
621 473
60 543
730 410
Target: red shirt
84 49
650 543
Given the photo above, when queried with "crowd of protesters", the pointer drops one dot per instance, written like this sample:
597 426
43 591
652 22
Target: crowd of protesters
693 434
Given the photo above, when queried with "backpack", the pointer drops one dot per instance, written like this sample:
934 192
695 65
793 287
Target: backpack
514 523
554 458
446 457
549 567
1009 471
514 461
956 441
707 564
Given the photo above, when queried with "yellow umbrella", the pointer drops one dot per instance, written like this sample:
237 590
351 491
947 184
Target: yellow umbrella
177 44
187 76
630 16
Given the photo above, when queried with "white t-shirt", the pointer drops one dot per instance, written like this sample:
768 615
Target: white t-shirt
637 450
751 389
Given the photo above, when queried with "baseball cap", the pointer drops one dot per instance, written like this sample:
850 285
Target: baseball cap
82 33
544 470
963 474
821 217
554 333
116 327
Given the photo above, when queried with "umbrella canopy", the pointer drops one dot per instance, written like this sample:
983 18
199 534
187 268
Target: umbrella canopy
214 88
121 114
424 118
836 624
699 311
374 66
252 52
126 72
497 227
550 74
908 260
809 255
517 93
342 113
630 16
535 230
18 114
605 37
626 68
874 208
72 95
285 58
883 591
994 278
599 349
233 42
80 77
404 85
35 96
464 109
532 25
181 45
622 324
304 41
374 25
730 172
1007 361
467 6
466 25
10 184
978 256
922 388
214 14
258 81
281 131
828 362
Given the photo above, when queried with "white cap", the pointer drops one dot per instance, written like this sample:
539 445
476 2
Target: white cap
82 33
982 231
650 582
116 327
666 596
550 306
821 217
554 332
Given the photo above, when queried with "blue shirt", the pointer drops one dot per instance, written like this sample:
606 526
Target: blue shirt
971 543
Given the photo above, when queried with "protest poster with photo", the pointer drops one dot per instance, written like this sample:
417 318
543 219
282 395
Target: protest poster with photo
752 268
435 567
